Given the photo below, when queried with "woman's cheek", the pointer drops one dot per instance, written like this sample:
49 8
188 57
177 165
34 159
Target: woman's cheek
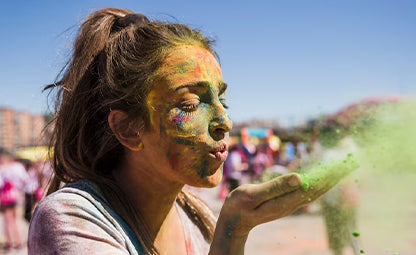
188 125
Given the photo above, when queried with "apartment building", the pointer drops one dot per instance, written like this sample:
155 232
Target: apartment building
20 129
7 128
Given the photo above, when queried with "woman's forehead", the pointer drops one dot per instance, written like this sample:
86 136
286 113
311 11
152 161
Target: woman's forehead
188 57
189 64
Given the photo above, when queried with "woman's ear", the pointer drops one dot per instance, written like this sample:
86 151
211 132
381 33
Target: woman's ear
124 133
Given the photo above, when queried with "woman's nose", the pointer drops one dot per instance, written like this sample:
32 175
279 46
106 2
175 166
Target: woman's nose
220 122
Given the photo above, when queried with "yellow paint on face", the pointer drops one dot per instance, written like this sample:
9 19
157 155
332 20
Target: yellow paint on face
189 64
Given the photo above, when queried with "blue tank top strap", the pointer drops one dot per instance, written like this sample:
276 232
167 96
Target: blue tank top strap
94 191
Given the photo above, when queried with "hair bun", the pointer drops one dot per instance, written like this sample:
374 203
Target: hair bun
133 18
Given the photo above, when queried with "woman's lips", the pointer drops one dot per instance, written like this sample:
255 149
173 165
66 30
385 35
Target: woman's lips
220 152
221 155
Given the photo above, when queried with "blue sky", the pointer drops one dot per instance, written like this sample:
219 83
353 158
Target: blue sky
283 60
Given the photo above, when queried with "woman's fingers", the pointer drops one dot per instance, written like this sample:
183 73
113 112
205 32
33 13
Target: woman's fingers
281 206
277 187
252 195
319 181
244 203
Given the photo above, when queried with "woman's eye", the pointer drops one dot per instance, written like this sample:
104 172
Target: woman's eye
224 104
190 105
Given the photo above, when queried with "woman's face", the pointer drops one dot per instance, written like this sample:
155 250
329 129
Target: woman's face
188 135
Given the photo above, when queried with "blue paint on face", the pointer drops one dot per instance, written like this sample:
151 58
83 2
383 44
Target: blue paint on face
184 141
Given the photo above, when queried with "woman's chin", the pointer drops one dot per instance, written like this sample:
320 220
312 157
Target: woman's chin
210 181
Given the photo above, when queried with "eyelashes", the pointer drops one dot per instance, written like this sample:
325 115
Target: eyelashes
224 104
191 105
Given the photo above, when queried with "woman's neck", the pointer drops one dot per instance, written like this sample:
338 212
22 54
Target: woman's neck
152 195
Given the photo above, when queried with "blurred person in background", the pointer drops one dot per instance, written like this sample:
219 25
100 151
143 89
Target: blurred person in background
13 181
261 160
302 153
340 204
290 152
33 189
235 166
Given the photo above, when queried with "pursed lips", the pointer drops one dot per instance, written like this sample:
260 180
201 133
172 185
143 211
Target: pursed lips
219 151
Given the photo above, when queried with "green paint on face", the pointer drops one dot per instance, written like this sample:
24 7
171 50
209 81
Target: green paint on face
182 70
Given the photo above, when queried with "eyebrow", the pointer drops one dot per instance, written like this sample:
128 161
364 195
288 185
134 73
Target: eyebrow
204 84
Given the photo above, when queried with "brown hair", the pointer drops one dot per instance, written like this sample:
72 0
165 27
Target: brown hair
113 65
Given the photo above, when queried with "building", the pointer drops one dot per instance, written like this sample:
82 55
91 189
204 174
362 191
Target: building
20 129
38 126
7 128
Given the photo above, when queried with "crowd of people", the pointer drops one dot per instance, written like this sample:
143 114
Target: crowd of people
250 162
22 184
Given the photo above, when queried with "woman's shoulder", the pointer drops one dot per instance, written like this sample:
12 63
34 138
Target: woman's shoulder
78 214
67 204
72 198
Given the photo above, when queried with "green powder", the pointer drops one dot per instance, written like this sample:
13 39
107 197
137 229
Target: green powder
387 138
322 177
386 141
385 135
386 147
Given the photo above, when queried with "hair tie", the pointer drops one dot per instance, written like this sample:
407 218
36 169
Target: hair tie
129 19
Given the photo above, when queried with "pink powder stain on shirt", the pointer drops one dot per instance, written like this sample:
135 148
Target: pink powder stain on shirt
189 247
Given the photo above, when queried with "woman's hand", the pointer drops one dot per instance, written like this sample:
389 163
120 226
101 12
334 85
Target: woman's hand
252 204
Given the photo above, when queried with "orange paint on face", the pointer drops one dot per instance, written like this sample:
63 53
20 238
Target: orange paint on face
189 133
188 64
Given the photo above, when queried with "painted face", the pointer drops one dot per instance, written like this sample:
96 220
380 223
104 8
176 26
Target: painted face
189 124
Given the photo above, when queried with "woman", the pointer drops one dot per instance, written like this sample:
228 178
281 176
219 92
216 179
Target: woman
140 113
